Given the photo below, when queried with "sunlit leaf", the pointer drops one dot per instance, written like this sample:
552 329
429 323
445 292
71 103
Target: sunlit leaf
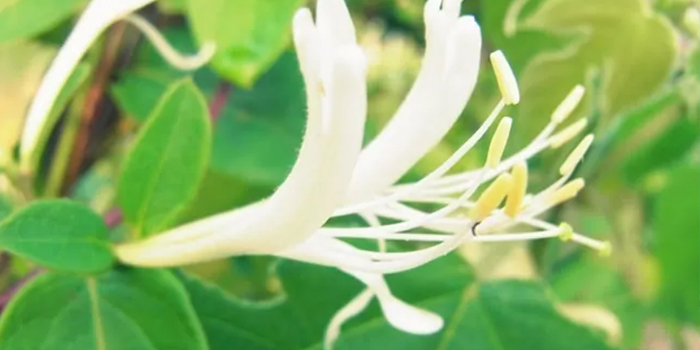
58 234
121 310
511 315
26 18
634 47
22 66
676 225
165 166
262 31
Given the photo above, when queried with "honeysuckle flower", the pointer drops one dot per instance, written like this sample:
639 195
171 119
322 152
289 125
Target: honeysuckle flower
97 17
331 177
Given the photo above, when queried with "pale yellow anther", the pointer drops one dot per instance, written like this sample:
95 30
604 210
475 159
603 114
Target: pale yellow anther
605 249
568 104
498 142
491 197
505 78
566 192
567 134
567 232
514 201
576 155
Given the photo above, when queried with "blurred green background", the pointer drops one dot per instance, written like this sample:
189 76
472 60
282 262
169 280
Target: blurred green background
640 62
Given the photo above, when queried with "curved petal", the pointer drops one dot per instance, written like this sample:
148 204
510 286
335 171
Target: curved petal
445 82
403 316
317 183
98 15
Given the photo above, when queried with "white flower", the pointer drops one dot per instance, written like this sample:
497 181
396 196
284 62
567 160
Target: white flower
98 16
331 177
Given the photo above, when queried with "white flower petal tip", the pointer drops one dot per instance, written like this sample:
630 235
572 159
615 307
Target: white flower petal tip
98 15
505 78
333 20
568 105
409 318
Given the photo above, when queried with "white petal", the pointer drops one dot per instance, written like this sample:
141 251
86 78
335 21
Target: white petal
306 199
399 314
98 15
444 84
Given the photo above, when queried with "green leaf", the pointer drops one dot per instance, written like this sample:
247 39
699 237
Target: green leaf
592 280
671 145
262 32
137 93
677 244
510 315
27 18
5 207
635 48
58 234
121 310
138 89
259 131
167 162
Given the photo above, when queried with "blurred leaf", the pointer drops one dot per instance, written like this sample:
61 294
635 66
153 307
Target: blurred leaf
22 66
663 150
262 32
211 199
137 93
58 234
635 47
511 315
26 18
622 131
591 280
123 309
172 6
259 131
5 207
167 163
500 22
138 89
676 225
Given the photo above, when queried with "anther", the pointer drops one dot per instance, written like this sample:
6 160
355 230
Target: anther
505 78
576 155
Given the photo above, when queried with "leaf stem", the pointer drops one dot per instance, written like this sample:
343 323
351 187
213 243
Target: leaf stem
64 151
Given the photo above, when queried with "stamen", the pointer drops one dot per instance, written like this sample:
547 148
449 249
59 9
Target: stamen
604 248
514 201
576 155
354 307
498 142
566 232
568 104
172 56
567 134
505 78
492 197
566 192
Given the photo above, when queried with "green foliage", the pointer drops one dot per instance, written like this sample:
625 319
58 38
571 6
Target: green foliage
21 19
677 244
259 132
261 34
624 38
58 234
511 314
165 166
120 310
